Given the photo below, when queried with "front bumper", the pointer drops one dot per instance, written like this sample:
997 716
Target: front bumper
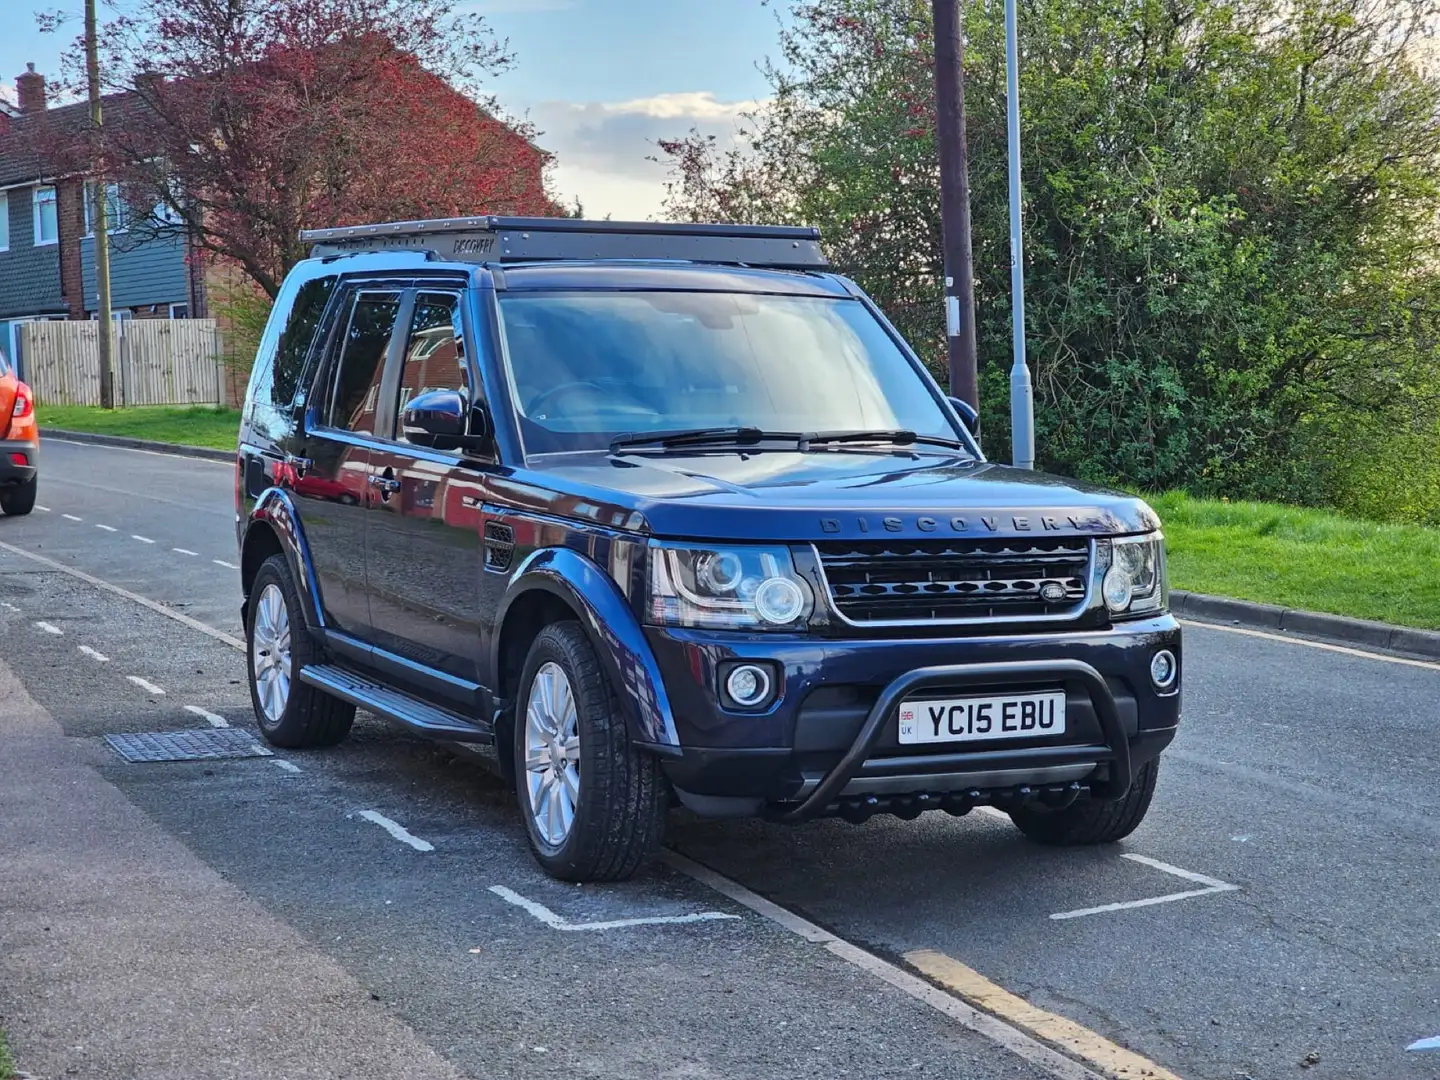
11 472
829 744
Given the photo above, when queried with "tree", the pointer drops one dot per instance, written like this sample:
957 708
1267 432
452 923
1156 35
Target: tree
1231 213
240 122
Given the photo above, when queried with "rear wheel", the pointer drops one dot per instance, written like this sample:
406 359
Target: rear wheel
1091 821
19 499
594 806
291 713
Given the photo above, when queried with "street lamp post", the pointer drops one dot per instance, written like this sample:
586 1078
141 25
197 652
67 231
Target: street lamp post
1022 392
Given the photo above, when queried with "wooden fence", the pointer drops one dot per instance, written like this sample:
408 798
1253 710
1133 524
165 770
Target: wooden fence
156 361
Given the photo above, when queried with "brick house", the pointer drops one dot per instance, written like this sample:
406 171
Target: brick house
47 245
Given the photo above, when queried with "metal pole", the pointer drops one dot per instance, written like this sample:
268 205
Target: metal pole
101 215
955 200
1022 393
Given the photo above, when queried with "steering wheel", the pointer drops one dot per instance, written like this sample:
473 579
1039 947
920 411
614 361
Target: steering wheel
541 398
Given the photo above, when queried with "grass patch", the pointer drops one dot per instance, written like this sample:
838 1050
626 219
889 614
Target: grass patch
186 425
1310 559
7 1063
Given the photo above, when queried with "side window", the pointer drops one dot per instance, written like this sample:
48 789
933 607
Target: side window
362 361
279 365
435 350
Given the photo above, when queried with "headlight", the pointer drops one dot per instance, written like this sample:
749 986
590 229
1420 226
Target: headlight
1134 583
731 588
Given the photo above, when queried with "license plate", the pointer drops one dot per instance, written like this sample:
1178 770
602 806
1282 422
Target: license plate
980 719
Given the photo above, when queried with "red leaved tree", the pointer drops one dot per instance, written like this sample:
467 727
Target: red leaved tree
240 122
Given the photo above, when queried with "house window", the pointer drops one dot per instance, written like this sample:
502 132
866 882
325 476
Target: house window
115 215
179 311
47 226
4 221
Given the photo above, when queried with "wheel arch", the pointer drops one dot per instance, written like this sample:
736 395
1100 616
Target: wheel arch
274 529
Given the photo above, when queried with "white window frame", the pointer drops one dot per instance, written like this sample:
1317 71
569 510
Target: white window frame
186 306
35 213
112 199
4 221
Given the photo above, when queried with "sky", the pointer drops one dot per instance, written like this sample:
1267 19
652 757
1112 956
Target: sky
601 79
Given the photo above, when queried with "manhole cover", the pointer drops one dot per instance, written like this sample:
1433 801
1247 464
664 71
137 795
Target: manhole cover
203 745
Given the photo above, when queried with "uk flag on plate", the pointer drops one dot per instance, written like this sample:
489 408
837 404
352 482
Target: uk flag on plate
907 722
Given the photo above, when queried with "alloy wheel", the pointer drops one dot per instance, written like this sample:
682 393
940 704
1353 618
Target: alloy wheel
270 652
552 754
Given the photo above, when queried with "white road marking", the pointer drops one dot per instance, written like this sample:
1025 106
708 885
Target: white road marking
227 565
1212 885
71 517
88 651
42 509
288 766
1426 1044
996 1030
146 685
397 830
8 606
209 717
116 590
49 628
142 539
184 551
1363 654
107 528
555 922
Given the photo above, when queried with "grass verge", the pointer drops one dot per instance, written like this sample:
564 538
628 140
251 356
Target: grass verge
185 425
7 1063
1309 559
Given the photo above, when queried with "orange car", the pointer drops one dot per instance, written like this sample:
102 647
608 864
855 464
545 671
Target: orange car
19 443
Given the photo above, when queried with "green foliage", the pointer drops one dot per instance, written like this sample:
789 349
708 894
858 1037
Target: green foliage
185 425
1230 209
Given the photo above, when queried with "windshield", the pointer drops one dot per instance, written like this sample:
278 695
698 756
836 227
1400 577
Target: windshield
587 367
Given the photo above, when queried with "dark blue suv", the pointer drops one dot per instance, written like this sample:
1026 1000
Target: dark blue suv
670 513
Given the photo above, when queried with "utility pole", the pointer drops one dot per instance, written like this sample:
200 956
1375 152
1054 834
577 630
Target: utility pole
100 212
955 200
1022 393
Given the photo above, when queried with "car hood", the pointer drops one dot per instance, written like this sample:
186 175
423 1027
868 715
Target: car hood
829 494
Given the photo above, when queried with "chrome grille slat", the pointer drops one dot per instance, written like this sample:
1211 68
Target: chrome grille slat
888 582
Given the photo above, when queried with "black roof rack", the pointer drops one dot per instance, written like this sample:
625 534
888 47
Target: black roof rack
524 239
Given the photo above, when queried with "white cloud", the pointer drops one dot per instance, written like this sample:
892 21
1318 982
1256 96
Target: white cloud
602 148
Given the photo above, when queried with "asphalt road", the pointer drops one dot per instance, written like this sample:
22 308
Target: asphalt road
1300 810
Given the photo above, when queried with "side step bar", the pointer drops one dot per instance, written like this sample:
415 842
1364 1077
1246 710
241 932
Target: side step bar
424 719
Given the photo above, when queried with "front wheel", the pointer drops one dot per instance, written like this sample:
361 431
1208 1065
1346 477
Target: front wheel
594 806
1091 821
20 499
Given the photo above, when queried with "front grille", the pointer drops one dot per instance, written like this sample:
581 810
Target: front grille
923 580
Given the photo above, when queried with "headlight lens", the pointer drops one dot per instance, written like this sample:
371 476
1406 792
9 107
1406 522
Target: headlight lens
1135 582
732 588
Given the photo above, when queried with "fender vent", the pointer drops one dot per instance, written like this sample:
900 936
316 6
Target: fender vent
499 546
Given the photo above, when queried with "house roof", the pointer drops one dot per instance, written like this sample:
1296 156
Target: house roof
27 140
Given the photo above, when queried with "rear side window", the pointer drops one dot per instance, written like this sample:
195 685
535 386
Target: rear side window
4 366
435 352
362 361
279 366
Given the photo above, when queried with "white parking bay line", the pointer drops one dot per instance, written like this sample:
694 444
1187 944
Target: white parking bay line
142 539
1426 1044
556 922
42 509
49 628
209 717
88 651
227 565
107 528
398 831
145 684
288 766
8 606
185 551
71 517
1212 885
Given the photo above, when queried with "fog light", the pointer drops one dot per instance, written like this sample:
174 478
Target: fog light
748 685
1163 669
19 459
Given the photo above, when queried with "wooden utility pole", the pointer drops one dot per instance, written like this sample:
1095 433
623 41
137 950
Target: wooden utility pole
100 212
955 200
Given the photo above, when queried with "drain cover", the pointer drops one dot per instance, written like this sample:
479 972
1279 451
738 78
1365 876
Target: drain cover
203 745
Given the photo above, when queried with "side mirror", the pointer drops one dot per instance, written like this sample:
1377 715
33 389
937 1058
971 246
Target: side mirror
444 420
968 416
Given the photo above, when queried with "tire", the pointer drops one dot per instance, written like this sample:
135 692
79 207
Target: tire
1091 821
305 717
618 795
20 499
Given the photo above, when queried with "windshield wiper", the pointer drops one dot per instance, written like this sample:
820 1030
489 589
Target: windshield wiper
897 436
712 436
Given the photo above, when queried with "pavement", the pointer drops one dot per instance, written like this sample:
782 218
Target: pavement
371 910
